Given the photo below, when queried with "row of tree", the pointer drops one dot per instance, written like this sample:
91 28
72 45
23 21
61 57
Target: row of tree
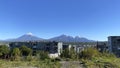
16 53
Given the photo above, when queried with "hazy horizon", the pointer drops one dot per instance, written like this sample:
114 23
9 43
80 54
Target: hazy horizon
93 19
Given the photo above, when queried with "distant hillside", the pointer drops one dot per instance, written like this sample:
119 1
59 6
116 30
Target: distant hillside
26 37
65 38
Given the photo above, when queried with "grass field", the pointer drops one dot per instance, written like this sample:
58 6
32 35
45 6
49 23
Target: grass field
96 62
29 64
102 62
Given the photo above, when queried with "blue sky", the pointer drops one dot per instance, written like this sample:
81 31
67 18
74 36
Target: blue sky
93 19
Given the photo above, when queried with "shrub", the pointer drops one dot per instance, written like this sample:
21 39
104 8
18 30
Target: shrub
15 54
4 51
25 51
89 53
42 55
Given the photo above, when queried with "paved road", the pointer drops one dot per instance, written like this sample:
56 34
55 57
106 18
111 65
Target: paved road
71 64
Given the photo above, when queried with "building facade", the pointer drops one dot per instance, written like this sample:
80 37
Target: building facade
53 48
114 45
102 46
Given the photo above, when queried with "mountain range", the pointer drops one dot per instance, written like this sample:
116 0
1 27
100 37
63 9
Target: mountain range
61 38
65 38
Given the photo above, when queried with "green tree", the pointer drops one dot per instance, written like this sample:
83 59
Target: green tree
72 53
65 53
15 54
25 51
4 51
69 53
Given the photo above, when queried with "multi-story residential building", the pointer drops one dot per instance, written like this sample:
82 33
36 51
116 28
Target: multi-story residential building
114 45
79 48
66 46
53 48
102 46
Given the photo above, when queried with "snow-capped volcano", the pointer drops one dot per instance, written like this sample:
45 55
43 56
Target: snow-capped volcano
31 34
27 37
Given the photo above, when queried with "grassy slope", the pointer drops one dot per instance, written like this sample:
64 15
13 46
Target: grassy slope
29 64
102 62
